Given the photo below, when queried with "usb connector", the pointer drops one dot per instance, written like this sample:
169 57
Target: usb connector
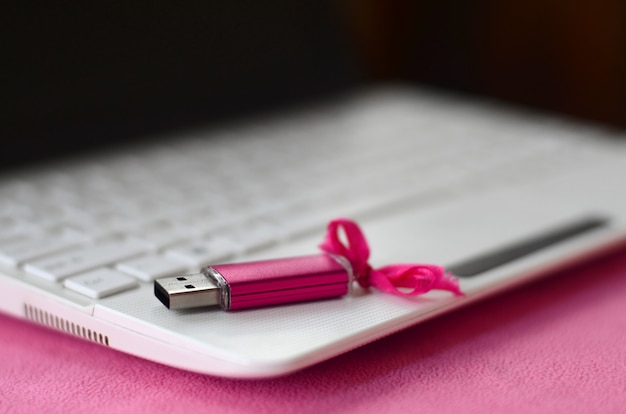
187 291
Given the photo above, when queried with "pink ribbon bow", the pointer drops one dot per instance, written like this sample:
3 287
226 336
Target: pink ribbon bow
413 279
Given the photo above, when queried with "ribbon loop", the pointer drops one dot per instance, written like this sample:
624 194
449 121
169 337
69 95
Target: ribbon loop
398 279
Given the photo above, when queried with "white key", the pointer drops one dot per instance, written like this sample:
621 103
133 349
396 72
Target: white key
100 227
148 268
161 236
60 266
208 223
258 234
13 229
305 219
100 283
204 252
20 251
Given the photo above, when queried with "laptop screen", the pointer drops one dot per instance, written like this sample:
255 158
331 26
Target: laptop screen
83 76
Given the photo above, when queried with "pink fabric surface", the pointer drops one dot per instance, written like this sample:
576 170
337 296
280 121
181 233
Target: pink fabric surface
558 345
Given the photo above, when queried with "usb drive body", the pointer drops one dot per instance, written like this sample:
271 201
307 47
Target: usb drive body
261 283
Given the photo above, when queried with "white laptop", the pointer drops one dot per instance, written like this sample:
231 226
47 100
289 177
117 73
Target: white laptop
498 195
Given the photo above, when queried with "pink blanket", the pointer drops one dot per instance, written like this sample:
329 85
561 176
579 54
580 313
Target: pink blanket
558 345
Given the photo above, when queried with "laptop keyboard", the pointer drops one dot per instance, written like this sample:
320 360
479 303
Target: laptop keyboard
104 225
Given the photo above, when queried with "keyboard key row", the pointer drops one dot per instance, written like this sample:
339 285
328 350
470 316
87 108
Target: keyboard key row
100 283
204 252
148 268
22 250
60 266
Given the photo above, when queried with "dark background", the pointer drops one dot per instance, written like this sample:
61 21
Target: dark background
560 55
78 76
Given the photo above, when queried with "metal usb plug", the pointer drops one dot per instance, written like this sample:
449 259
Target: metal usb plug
187 291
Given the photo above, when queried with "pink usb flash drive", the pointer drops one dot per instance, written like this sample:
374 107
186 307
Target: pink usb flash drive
253 284
296 279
